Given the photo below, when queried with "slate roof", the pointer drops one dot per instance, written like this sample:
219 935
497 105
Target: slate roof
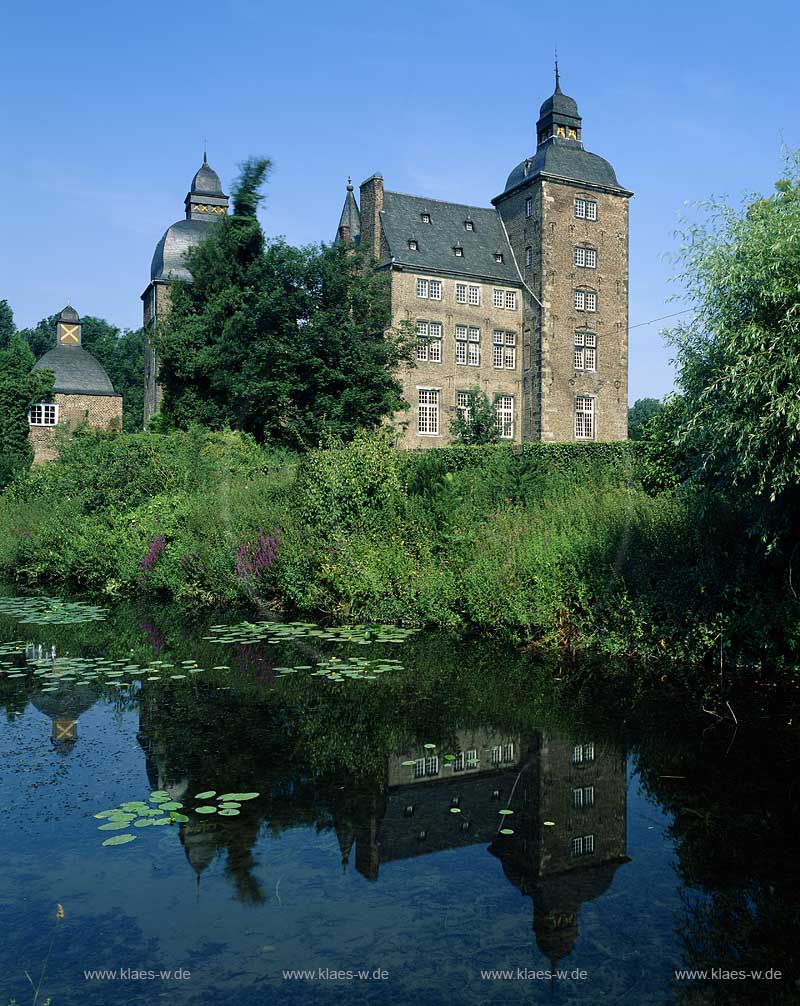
76 372
565 159
206 181
402 222
169 258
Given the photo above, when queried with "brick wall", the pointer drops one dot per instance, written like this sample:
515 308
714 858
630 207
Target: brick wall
156 304
102 412
448 376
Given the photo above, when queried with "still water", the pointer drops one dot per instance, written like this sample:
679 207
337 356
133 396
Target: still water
428 822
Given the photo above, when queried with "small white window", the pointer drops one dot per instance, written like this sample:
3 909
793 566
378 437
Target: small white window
43 414
472 758
428 420
498 257
508 749
475 295
432 765
584 430
585 300
577 797
529 256
458 762
529 207
422 288
586 258
425 217
496 755
588 751
586 209
474 347
585 351
504 350
435 289
429 341
504 417
499 298
461 345
583 845
463 407
461 293
469 225
419 768
511 300
412 245
458 251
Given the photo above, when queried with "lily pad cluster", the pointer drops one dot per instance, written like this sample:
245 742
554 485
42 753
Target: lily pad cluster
57 671
352 667
50 611
11 668
248 633
160 810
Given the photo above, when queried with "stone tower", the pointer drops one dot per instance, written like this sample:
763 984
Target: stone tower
205 204
567 221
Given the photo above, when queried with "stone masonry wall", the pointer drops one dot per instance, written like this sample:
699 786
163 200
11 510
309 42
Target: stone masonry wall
448 376
102 412
156 302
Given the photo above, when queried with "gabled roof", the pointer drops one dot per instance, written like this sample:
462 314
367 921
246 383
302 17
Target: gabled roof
402 222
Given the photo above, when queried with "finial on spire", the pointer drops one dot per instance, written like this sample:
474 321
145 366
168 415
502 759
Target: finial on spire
349 184
205 151
558 81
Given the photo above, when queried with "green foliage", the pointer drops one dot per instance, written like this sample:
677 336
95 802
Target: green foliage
290 345
478 424
20 388
7 326
640 414
739 358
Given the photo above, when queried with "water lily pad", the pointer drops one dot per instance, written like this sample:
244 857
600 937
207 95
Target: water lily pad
505 812
549 824
230 805
229 812
159 794
429 747
206 810
455 810
142 822
114 825
407 762
506 831
120 840
170 805
180 818
207 795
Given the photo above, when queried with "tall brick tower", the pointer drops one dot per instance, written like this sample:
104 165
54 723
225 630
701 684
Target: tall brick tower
567 221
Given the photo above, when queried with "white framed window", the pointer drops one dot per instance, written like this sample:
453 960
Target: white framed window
461 293
419 768
586 209
585 351
496 753
529 207
458 251
475 296
529 256
425 218
468 346
588 751
435 289
499 298
429 341
511 300
412 245
504 350
583 753
583 796
498 257
458 762
585 258
585 300
422 288
428 418
584 418
463 406
508 749
469 225
432 765
472 758
43 414
583 845
504 417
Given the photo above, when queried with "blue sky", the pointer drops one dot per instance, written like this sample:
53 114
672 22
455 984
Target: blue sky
106 107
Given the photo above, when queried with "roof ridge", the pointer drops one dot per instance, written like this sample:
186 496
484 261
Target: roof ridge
442 202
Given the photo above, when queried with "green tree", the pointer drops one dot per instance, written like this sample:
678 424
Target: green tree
477 424
291 345
7 326
739 356
20 387
640 414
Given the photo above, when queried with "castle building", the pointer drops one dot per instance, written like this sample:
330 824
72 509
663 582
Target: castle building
82 391
526 300
205 203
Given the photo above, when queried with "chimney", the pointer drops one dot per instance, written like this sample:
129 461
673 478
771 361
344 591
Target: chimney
371 206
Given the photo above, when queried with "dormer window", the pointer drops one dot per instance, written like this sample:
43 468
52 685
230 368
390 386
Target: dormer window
498 257
412 245
469 225
425 218
458 251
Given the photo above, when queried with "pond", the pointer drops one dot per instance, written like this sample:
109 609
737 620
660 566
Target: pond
252 812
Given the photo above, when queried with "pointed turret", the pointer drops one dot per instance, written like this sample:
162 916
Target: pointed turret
349 228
